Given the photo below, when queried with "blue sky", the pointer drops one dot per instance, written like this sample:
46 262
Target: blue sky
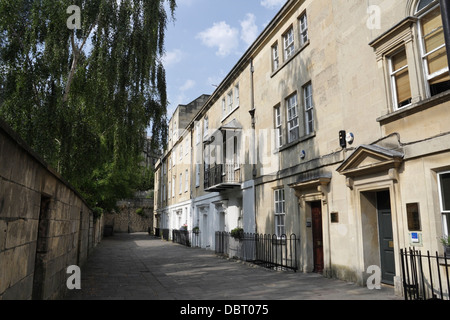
207 39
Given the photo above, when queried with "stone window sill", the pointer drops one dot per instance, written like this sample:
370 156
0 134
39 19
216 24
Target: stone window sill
415 108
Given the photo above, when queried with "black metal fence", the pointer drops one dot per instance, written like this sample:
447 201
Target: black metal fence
183 237
425 276
270 251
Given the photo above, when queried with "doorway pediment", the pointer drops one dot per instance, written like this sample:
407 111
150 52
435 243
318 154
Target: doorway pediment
369 159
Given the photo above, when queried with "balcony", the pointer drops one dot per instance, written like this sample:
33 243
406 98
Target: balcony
222 177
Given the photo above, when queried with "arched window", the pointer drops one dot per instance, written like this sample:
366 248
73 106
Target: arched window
423 4
432 45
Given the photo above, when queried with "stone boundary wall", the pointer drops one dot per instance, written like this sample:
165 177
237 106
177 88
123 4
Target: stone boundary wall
127 220
45 225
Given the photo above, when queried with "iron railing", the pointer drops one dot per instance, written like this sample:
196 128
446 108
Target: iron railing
270 251
183 237
425 276
219 174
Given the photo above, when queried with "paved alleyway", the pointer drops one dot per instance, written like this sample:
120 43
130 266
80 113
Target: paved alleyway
141 267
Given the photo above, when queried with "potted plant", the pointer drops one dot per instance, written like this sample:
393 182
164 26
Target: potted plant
446 243
196 230
184 227
237 233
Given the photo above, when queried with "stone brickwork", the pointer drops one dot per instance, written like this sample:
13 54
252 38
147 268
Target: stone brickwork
134 215
45 225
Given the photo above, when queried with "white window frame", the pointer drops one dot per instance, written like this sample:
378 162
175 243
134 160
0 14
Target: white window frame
206 126
174 156
230 101
224 107
173 186
445 213
197 175
280 212
303 22
278 127
309 108
186 187
198 133
392 75
236 151
275 57
169 191
289 43
423 53
181 183
236 95
292 116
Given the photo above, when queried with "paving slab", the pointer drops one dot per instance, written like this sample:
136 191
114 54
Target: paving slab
141 267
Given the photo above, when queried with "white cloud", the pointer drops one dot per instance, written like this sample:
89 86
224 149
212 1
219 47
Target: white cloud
222 36
189 84
172 57
249 29
272 4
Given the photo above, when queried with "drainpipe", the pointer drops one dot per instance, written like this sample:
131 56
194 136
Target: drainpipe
252 111
252 114
445 13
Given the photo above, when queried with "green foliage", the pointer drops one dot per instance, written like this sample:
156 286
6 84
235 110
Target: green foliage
84 99
97 212
445 241
237 233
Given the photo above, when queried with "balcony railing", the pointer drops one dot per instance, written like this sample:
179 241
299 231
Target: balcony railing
222 176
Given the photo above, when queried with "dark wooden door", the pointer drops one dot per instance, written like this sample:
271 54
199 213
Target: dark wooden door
316 215
386 237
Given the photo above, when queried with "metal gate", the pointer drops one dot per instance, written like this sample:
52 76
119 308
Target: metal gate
425 276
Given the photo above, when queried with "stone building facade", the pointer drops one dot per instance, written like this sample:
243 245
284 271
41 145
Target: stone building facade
45 225
332 126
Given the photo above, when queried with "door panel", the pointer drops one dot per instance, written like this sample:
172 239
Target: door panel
316 215
386 238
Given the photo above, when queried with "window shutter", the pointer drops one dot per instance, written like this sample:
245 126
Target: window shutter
433 37
402 84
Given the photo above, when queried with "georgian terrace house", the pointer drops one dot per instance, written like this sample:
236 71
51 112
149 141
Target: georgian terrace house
333 126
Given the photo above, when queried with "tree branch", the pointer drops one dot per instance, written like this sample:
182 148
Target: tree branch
76 55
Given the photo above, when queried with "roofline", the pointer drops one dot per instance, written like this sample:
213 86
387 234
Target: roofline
247 56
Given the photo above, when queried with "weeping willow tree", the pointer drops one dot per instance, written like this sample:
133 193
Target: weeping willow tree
84 98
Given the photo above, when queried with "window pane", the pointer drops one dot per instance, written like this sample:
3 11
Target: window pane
400 79
403 88
309 121
433 38
437 61
446 218
431 22
308 109
423 4
399 60
289 43
445 191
